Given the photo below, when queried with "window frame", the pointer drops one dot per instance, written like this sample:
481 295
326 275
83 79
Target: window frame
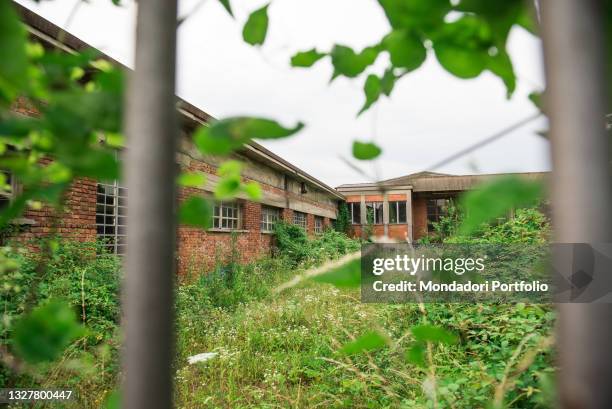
301 224
376 206
352 214
269 216
319 224
435 216
118 236
399 214
218 216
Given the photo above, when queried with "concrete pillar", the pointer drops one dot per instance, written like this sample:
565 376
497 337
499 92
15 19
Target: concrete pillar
409 215
363 214
386 213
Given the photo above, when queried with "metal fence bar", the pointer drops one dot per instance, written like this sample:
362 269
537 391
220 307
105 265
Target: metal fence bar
151 127
581 186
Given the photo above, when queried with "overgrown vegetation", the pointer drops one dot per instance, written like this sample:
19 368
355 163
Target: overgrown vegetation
314 345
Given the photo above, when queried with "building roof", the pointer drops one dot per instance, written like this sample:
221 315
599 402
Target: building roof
57 37
434 182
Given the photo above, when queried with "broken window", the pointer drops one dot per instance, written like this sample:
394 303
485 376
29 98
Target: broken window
318 224
375 212
299 219
269 216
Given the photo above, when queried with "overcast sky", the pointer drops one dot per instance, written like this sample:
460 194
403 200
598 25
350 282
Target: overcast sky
429 116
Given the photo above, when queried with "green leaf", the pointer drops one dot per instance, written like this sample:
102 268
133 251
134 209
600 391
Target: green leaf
226 135
228 7
494 199
306 58
416 354
501 65
196 211
459 61
350 64
13 57
423 14
253 190
365 150
536 99
462 47
431 333
346 276
228 187
192 179
256 27
387 82
405 49
44 334
369 341
372 90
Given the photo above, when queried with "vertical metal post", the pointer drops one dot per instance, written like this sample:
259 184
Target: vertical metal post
581 186
151 127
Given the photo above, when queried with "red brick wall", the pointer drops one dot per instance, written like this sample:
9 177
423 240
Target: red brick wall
76 222
419 217
199 250
398 231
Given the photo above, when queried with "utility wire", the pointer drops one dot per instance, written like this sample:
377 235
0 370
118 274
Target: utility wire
483 142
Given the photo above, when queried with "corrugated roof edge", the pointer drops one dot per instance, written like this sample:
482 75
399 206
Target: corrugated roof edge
51 33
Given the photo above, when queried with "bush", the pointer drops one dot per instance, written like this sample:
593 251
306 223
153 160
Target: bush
80 274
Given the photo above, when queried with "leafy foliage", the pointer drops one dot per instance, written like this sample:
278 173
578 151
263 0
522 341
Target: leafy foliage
369 341
342 223
496 198
43 334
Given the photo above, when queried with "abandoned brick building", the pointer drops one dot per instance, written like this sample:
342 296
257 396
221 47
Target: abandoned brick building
409 205
96 209
401 208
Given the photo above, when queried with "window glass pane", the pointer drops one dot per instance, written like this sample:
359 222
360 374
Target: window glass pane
401 212
392 212
378 219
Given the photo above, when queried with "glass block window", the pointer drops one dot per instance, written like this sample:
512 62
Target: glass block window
299 219
269 216
111 216
318 224
355 212
227 216
375 212
397 212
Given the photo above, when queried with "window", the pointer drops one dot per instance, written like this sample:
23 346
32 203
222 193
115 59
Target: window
375 212
355 212
111 216
436 208
397 212
269 216
318 224
7 192
299 219
227 216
